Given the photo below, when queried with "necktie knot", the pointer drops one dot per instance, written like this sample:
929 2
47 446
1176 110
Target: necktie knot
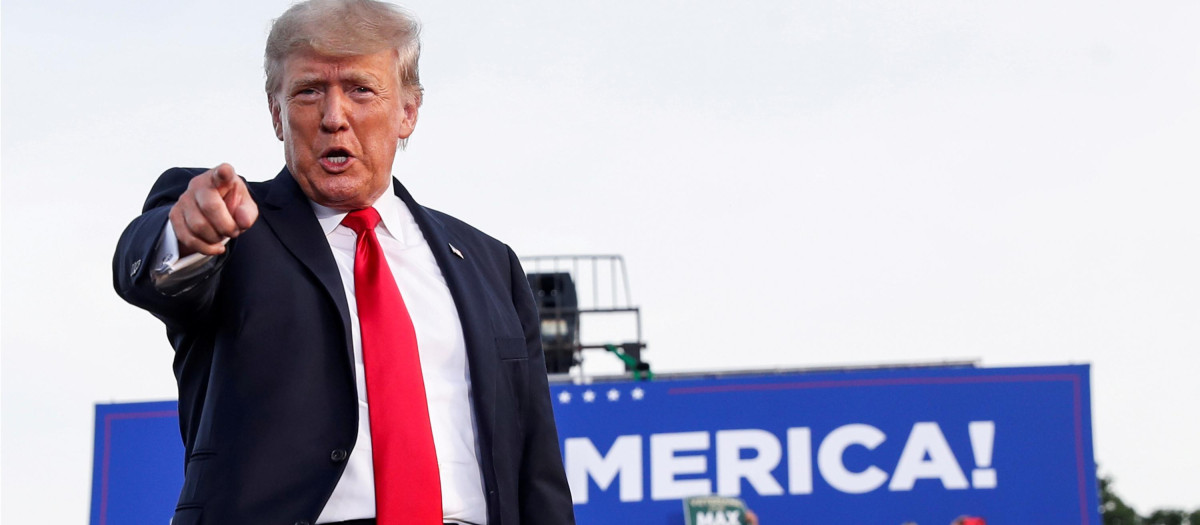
361 220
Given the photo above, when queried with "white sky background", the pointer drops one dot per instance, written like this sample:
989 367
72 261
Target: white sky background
794 184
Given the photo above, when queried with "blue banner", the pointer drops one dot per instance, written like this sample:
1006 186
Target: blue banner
137 466
926 446
890 446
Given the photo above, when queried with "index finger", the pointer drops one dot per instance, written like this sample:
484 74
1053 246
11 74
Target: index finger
224 177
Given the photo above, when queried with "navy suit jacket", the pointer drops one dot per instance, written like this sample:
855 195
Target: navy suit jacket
264 363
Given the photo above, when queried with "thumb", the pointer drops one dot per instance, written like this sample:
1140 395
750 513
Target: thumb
245 211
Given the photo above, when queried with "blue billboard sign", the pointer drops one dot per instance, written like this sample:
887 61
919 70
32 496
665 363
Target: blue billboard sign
137 466
887 446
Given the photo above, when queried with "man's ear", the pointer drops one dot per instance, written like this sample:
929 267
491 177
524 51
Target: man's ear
408 114
276 119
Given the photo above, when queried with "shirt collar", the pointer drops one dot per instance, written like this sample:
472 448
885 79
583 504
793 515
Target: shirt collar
391 214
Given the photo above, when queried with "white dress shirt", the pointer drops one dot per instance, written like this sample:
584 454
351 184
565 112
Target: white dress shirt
443 363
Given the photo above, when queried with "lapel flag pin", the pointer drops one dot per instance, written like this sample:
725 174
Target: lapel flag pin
455 250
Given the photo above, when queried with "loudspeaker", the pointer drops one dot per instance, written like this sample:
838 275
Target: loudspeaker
558 309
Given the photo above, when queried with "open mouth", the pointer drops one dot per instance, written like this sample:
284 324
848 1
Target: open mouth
336 159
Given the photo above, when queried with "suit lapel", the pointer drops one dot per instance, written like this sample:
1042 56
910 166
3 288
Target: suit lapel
462 277
288 213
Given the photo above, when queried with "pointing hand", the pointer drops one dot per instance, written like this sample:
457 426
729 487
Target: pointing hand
216 206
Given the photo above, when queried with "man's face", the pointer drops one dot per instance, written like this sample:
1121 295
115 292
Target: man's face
340 119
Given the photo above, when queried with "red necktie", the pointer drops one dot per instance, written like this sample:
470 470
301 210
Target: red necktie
407 485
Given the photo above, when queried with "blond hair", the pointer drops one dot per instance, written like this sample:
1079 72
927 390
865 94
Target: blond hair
342 28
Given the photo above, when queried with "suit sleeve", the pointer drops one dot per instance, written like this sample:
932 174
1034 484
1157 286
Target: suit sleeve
545 496
136 254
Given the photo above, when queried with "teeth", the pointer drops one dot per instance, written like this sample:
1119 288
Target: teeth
337 160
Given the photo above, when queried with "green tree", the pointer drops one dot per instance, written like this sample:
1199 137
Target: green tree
1115 511
1166 517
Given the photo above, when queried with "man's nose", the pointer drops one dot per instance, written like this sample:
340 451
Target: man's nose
333 114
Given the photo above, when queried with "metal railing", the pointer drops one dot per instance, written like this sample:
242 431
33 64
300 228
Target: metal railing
602 288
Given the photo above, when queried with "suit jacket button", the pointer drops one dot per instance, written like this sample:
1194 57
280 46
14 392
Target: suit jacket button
338 455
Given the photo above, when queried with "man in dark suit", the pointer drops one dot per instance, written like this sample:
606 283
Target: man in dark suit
343 354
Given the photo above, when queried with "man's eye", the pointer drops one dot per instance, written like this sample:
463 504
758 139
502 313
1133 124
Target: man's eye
362 89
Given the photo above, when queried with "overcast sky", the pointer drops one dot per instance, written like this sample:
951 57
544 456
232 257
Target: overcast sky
792 184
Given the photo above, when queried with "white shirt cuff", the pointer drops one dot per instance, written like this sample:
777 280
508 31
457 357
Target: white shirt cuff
172 271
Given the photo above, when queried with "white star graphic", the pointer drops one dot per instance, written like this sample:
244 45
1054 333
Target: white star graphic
638 393
564 397
614 395
588 396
